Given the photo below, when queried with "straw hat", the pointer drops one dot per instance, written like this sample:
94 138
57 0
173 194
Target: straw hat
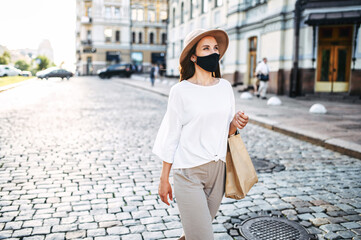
197 34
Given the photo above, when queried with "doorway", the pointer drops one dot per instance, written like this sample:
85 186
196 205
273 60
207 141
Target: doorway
334 59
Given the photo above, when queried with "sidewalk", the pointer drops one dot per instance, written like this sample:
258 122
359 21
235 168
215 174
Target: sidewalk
339 129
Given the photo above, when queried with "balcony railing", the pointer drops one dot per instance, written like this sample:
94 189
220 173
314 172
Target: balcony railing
88 42
86 20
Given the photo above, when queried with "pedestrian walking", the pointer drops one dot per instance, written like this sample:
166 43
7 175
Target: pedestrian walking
262 72
192 138
153 74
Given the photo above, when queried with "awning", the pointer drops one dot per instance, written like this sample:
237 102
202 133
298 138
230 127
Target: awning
330 18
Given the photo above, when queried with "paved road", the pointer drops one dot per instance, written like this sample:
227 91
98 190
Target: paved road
76 163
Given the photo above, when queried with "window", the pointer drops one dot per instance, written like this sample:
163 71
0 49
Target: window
137 58
89 12
191 9
204 6
163 15
117 36
151 15
133 37
108 35
217 19
182 13
218 3
117 12
140 37
151 38
89 35
108 12
140 15
164 38
173 17
134 14
173 50
181 45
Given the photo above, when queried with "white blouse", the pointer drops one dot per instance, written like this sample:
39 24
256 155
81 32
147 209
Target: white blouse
195 127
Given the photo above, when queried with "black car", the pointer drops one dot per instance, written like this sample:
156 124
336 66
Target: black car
49 73
124 69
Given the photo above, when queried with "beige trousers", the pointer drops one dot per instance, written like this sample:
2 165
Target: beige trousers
199 192
263 85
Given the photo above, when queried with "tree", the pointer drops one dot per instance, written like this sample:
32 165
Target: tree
43 62
5 58
22 65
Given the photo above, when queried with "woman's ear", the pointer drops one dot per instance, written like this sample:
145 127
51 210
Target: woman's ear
193 58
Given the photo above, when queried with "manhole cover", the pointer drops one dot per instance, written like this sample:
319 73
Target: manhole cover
272 228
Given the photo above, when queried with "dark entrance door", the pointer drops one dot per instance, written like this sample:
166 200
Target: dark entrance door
334 59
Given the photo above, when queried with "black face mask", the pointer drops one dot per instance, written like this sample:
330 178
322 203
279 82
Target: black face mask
209 63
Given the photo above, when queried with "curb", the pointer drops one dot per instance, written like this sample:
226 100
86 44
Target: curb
341 148
316 141
10 86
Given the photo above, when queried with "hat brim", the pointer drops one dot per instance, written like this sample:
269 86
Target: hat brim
220 36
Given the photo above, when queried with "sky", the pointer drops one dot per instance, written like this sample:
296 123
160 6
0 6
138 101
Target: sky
25 23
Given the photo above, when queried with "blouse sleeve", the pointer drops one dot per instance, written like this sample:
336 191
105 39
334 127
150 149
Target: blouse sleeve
167 139
233 102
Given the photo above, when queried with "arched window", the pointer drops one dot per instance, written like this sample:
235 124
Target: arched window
164 38
182 13
133 37
204 6
151 38
140 37
117 36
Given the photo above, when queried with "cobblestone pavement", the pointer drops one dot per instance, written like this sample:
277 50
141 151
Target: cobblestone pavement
76 163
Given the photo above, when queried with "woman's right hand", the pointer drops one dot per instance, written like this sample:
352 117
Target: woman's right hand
164 190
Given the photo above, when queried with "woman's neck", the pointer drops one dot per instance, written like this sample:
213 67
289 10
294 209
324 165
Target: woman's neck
202 77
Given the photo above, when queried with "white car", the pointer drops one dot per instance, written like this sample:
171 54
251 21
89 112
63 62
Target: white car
6 70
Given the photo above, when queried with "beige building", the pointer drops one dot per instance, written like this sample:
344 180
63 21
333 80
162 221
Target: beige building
148 32
119 31
312 46
102 34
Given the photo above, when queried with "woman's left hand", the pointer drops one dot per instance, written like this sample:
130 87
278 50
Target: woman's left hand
240 120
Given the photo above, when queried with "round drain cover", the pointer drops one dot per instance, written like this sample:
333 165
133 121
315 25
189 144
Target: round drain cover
272 228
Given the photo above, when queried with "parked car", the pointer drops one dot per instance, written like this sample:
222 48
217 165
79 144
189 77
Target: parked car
124 69
54 72
7 70
26 73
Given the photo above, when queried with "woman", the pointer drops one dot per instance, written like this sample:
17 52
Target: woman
193 135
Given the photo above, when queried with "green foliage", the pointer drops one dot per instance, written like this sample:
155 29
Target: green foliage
22 65
43 63
5 58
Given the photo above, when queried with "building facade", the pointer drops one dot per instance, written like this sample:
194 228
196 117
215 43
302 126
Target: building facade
102 34
148 32
187 15
119 31
312 46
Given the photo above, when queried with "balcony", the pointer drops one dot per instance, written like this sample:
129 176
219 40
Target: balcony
162 23
86 20
88 42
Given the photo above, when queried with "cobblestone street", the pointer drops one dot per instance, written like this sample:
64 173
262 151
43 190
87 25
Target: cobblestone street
76 163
